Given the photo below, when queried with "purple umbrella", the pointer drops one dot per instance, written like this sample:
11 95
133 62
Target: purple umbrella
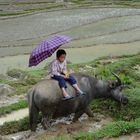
47 48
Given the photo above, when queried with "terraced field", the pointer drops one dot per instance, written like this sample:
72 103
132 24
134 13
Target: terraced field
89 27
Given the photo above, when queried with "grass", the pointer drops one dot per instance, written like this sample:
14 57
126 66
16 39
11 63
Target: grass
31 10
16 73
126 118
124 67
27 2
46 8
76 3
28 79
13 107
106 3
114 129
13 13
32 2
14 126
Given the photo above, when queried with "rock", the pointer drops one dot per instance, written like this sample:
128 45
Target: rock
39 128
5 90
89 67
24 135
17 138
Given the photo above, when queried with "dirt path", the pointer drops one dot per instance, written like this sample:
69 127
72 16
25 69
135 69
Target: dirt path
64 126
14 116
59 127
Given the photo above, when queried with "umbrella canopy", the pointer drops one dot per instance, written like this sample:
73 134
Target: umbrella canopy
47 48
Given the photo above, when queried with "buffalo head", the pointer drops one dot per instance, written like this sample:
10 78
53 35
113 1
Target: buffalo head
115 88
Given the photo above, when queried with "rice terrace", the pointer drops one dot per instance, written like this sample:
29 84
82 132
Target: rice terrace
104 46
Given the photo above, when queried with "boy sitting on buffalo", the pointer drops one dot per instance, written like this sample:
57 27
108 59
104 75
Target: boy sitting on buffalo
58 71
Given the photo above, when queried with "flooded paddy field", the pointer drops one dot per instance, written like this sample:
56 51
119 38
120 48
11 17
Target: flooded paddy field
98 29
75 55
41 25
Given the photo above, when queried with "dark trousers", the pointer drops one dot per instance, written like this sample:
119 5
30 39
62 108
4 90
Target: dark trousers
62 81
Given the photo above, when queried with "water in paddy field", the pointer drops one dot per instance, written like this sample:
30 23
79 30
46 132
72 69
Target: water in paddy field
108 31
74 55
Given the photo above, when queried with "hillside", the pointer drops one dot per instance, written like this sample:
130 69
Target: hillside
121 120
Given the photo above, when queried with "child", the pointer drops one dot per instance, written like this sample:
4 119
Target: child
58 71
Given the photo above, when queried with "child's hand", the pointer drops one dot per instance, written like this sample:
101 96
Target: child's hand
66 76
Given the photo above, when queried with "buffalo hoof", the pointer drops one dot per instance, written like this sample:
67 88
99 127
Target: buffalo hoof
33 128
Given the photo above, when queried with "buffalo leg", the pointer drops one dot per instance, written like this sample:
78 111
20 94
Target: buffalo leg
46 121
89 112
33 121
33 117
77 116
33 112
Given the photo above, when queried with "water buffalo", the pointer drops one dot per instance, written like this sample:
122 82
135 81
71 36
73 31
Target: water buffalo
46 97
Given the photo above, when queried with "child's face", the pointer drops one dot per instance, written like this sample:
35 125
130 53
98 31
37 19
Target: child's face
62 58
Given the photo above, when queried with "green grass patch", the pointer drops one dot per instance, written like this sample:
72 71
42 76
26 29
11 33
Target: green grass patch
128 112
31 10
13 13
17 73
113 129
135 3
14 126
127 117
46 8
26 79
13 107
32 2
38 73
